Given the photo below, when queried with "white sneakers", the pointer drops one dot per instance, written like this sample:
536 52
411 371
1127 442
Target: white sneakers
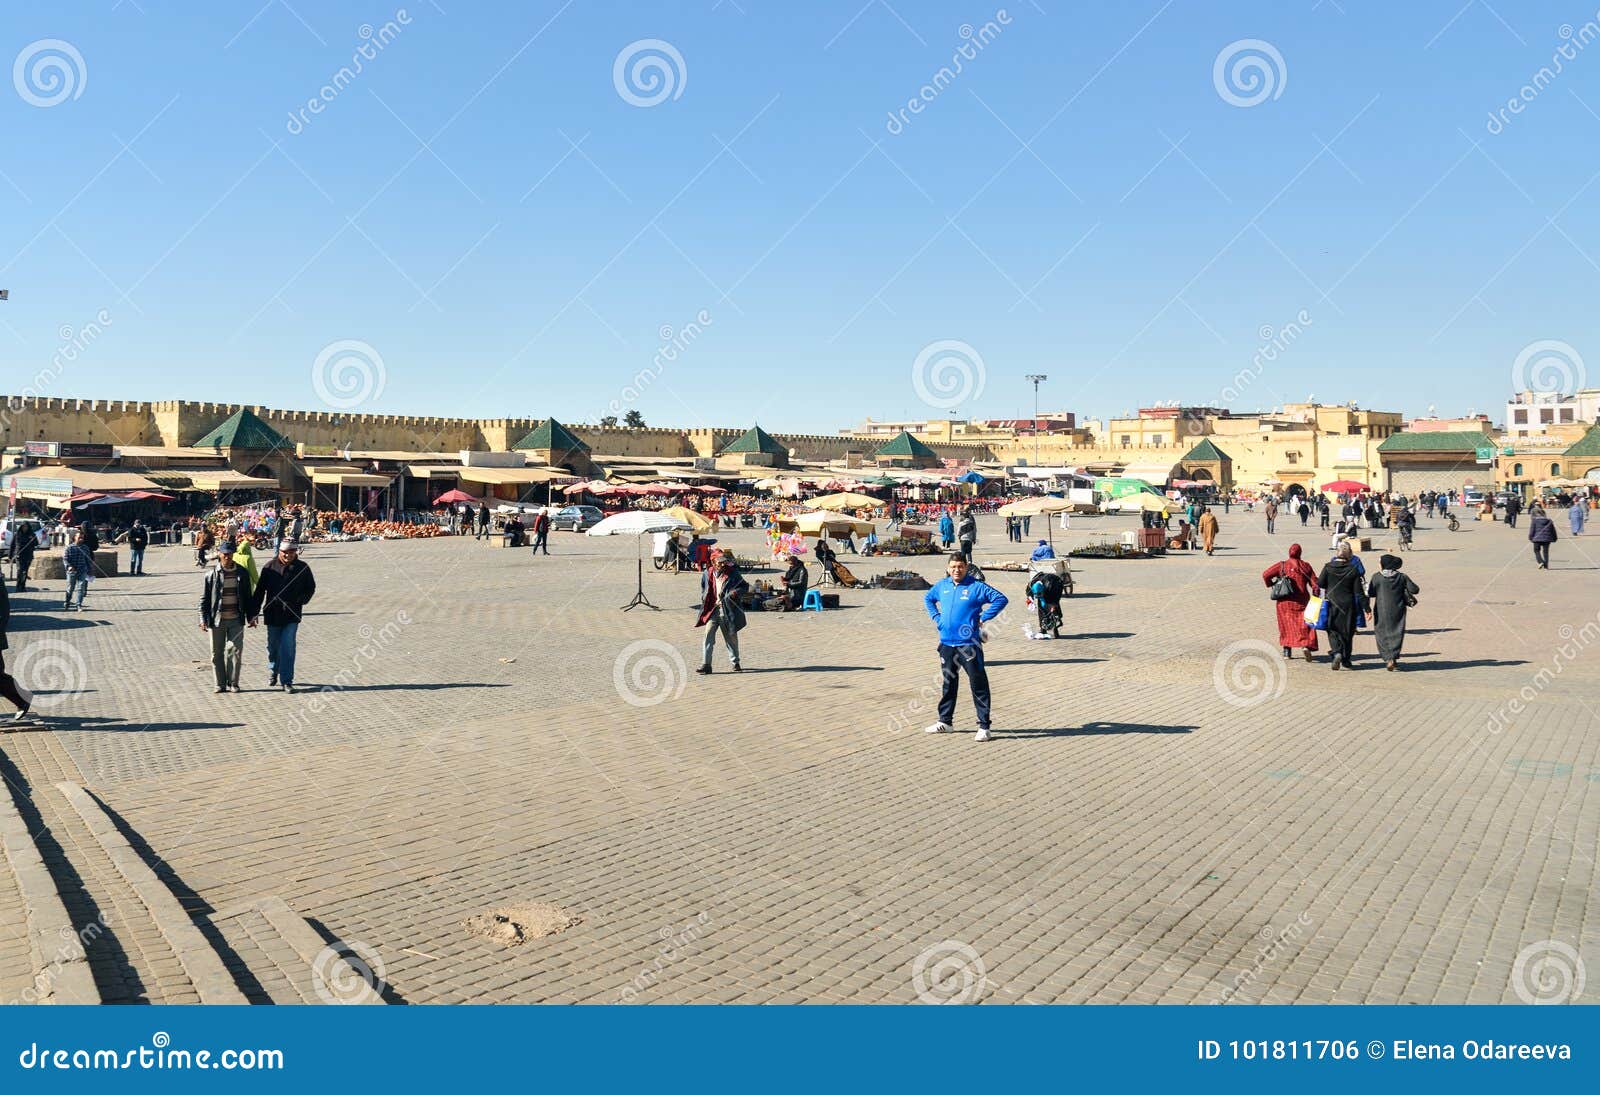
945 728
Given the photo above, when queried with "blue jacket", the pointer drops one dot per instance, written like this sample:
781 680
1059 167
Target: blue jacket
1043 551
958 608
947 528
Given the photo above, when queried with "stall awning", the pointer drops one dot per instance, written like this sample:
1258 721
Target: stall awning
434 471
1154 474
210 479
61 480
495 477
342 478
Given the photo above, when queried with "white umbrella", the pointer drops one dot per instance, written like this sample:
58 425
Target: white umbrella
636 523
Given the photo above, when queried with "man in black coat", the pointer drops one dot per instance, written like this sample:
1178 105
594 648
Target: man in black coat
138 540
25 543
286 587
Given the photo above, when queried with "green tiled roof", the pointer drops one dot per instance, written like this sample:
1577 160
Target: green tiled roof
1442 441
243 430
1587 445
550 434
756 439
1206 451
903 444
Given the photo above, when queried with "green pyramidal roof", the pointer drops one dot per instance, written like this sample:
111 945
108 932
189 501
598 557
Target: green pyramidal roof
243 430
756 439
903 444
1587 445
1206 451
550 434
1435 441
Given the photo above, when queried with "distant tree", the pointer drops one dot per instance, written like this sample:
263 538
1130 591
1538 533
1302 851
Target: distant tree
633 420
609 420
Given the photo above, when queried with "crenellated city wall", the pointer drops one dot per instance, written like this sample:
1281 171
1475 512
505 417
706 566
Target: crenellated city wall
182 423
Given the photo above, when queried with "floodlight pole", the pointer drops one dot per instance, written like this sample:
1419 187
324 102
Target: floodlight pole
1036 378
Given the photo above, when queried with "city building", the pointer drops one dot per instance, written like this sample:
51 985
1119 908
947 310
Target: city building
1532 413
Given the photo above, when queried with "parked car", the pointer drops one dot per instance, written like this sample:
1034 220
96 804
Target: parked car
9 526
576 518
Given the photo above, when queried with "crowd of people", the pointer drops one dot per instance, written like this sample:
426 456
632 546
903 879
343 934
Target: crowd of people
1337 600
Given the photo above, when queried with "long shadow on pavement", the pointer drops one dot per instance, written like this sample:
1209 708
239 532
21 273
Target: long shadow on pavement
1097 729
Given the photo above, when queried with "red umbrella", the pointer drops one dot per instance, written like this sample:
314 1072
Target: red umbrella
453 496
1344 486
149 496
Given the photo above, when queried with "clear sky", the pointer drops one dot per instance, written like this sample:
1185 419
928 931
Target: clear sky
509 221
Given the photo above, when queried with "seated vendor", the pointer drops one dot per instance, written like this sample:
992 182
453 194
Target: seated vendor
1043 551
795 579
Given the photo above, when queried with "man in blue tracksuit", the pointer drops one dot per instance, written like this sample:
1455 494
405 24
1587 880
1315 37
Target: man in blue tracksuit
959 605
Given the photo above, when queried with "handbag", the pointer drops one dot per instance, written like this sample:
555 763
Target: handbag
1316 613
1282 589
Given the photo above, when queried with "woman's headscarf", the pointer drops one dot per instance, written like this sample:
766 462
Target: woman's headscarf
1294 551
1345 550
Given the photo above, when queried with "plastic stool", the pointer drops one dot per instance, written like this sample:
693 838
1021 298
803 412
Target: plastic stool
812 602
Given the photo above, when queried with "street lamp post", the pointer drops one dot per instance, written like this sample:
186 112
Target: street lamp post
1036 378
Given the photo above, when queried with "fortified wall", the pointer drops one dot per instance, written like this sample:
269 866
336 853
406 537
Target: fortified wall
181 423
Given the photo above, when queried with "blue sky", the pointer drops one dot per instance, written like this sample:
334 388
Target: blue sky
485 209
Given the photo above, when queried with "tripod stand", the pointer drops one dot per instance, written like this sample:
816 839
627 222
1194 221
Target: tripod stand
639 598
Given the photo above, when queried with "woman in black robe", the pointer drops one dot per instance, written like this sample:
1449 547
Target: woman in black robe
1392 593
1341 582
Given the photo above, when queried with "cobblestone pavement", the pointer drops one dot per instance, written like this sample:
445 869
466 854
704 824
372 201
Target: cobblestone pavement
1169 811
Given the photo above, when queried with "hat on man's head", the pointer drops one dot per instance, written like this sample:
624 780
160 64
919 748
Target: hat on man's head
227 547
289 543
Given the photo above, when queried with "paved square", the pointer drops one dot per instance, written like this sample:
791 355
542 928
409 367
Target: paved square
1164 815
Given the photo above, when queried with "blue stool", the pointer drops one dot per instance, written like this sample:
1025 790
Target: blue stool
812 602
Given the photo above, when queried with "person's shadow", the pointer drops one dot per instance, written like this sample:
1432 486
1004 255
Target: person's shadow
1101 729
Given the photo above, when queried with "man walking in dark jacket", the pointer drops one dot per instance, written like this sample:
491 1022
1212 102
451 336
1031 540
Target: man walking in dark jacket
483 521
138 540
79 563
541 532
1541 534
287 586
227 606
